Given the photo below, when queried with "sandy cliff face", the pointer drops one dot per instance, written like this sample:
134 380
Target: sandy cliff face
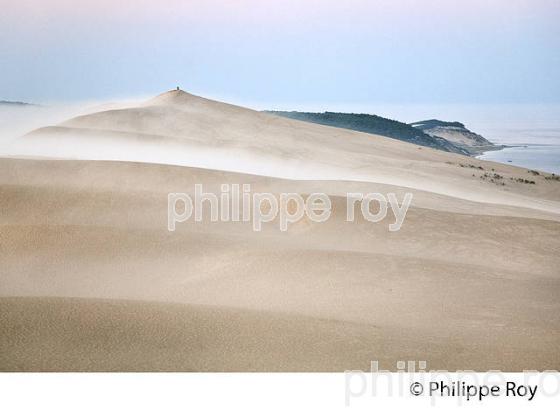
456 133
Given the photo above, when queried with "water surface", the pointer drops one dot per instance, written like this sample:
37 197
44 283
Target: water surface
539 157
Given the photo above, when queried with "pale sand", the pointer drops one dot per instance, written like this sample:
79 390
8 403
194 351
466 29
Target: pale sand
92 280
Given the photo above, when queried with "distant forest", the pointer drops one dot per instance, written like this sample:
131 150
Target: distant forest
373 124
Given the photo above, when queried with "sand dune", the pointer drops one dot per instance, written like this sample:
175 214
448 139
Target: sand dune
92 280
179 128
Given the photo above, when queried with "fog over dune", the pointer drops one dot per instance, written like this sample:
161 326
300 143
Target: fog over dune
17 120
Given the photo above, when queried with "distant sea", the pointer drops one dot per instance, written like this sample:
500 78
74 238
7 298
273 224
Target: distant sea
538 157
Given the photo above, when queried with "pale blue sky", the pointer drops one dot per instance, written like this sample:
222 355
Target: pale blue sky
283 52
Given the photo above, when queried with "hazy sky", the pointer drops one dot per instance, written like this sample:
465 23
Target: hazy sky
294 51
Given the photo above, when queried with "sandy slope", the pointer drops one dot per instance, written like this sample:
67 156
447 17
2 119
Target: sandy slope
87 334
92 280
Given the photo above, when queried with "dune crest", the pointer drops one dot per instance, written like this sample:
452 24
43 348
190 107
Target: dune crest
173 97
